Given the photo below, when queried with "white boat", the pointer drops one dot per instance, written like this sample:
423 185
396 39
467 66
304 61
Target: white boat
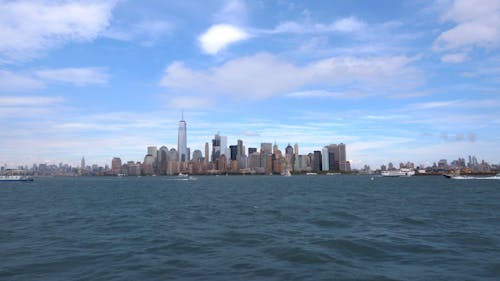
287 173
15 178
182 175
474 178
311 174
403 172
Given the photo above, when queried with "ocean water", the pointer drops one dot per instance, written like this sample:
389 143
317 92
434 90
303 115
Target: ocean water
250 228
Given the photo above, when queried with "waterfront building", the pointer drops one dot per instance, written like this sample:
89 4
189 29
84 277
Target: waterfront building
277 160
224 150
234 166
342 158
316 161
240 156
266 148
206 153
268 164
173 167
289 150
182 140
172 155
147 165
216 147
325 161
241 149
134 169
152 150
197 155
233 152
116 166
162 160
221 163
289 158
333 157
254 160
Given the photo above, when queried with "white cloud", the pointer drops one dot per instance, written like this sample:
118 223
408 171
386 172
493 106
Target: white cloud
30 27
477 24
484 103
188 102
145 32
10 81
9 101
28 106
455 58
219 36
316 94
76 76
233 11
347 25
264 75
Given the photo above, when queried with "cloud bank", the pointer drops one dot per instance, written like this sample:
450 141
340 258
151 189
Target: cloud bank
265 75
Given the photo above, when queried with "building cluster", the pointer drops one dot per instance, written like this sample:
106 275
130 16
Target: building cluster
61 169
442 166
219 158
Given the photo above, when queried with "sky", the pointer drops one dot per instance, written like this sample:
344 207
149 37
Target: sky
395 81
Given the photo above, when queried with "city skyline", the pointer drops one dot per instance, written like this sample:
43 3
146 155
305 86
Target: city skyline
395 81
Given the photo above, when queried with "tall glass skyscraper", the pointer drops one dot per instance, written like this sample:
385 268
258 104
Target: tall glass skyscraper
182 140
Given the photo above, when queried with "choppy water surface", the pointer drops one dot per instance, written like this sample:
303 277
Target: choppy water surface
250 228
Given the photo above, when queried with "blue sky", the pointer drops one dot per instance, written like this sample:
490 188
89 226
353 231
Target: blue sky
393 80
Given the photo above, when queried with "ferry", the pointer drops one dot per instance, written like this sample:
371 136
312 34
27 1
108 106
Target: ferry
403 172
15 178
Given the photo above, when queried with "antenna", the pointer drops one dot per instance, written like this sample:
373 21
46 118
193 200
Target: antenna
182 114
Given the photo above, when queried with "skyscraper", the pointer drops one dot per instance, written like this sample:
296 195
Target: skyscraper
325 161
216 147
206 153
317 161
342 157
234 152
116 165
182 140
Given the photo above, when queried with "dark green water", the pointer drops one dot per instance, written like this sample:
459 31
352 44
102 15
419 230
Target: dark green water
250 228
